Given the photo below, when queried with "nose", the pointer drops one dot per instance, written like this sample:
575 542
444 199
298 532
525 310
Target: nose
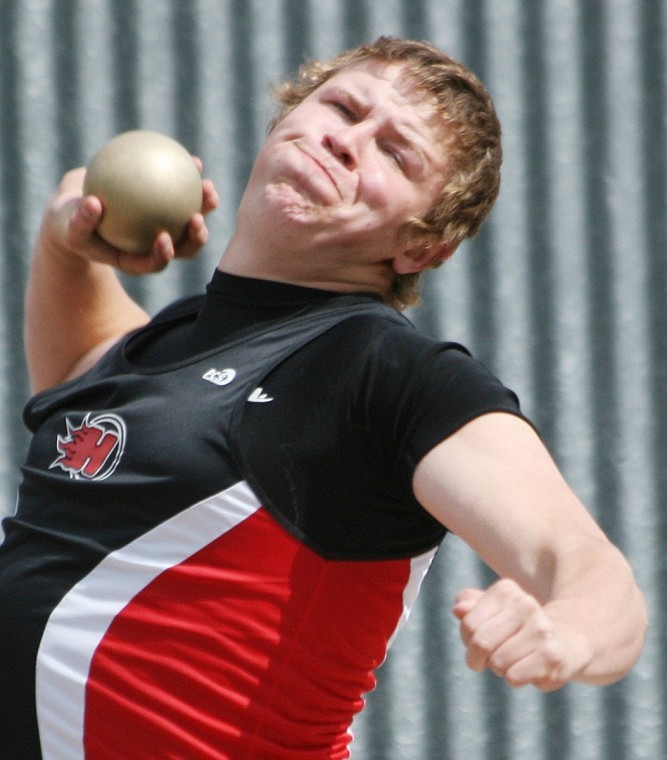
347 143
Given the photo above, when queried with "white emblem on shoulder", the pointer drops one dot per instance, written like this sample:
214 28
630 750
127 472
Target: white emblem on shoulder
219 376
259 397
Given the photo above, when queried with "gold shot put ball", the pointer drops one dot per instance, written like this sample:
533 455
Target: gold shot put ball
147 182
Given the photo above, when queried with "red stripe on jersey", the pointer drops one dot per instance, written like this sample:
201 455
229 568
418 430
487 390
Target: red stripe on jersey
79 623
253 647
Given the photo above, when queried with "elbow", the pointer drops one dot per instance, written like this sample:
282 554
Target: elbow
640 630
629 650
637 615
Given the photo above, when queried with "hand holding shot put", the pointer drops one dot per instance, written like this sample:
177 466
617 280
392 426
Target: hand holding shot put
148 183
70 251
137 186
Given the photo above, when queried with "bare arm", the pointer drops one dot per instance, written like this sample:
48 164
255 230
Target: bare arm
567 606
76 306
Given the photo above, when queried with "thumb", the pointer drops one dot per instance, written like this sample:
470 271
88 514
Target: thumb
465 601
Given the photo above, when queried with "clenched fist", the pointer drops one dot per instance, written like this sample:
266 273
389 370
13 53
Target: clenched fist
509 632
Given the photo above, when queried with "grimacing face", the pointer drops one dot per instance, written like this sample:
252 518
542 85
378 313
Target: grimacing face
353 162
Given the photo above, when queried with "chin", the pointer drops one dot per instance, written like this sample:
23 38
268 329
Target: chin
290 203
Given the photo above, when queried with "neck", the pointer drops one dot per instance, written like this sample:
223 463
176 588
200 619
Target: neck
335 272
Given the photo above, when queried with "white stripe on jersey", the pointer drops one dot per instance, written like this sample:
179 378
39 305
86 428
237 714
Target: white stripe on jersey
418 568
78 624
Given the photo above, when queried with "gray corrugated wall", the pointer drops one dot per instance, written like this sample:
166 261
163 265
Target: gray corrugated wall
563 294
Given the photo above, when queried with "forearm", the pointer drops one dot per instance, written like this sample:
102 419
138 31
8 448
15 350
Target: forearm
74 300
72 305
567 607
600 611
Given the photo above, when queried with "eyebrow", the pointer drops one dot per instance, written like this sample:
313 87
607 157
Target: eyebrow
341 92
425 157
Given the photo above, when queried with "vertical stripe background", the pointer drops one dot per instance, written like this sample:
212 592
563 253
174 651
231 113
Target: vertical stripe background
563 293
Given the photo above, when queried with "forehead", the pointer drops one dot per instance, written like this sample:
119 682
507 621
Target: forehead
395 78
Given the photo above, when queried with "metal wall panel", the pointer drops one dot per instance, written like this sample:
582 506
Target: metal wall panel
563 294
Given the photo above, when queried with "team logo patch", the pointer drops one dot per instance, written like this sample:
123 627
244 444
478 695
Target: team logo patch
92 450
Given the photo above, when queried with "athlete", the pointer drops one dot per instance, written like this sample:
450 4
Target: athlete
227 510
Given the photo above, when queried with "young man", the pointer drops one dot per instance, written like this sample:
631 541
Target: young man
227 511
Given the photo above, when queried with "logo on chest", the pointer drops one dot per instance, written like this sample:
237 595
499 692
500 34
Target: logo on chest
92 450
226 376
219 376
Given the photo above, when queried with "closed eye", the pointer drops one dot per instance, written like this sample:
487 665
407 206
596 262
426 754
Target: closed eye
394 154
343 109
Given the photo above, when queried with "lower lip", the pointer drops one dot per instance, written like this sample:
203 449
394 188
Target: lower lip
315 161
320 167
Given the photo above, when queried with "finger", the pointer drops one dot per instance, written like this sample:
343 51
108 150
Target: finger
486 640
63 204
505 595
72 181
81 237
465 601
79 218
477 611
196 235
537 654
210 196
542 670
161 254
85 217
499 614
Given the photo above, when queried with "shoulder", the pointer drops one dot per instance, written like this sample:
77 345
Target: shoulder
406 389
386 350
381 332
374 348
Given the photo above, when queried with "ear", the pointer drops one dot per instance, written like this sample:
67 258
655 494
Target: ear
421 256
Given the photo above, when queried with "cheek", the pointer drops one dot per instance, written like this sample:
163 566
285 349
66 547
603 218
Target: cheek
303 120
391 198
377 186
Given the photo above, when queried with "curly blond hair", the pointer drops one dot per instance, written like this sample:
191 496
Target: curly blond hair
472 131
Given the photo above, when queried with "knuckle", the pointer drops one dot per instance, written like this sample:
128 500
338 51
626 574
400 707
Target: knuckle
513 679
515 595
480 645
475 662
467 630
477 655
553 655
498 666
508 586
